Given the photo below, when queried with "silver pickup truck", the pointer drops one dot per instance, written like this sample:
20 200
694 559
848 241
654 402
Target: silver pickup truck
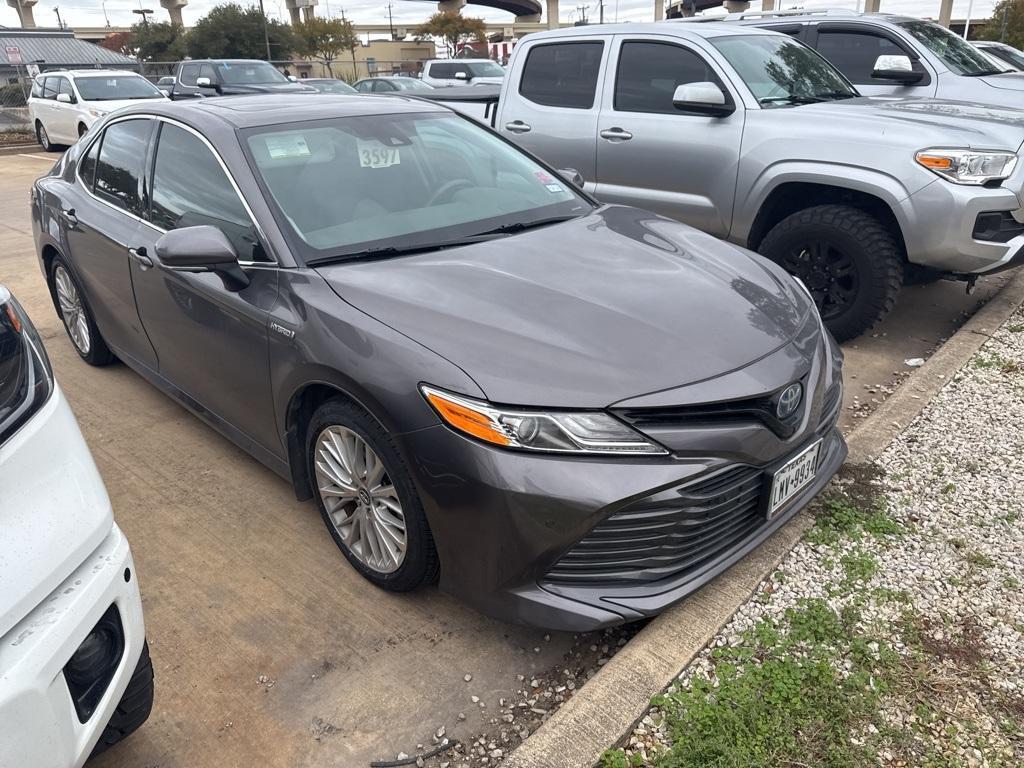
751 136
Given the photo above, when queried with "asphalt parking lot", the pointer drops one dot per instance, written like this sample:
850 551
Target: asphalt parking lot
269 649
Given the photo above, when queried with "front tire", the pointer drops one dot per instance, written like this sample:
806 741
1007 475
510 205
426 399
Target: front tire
849 261
134 707
44 138
367 498
78 321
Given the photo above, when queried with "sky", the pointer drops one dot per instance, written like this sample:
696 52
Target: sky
119 12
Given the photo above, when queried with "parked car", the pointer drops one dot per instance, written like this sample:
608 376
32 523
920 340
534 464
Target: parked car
391 84
473 367
198 78
890 55
749 135
1006 55
166 84
441 73
64 103
75 669
328 85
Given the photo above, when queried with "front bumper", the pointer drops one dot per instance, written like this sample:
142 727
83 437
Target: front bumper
505 522
40 727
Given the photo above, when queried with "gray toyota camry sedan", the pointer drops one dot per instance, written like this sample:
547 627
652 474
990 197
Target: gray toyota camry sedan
572 414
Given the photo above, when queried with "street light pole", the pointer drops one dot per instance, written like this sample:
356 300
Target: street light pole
144 13
266 34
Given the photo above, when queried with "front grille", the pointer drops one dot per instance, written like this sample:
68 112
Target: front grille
669 533
754 409
830 405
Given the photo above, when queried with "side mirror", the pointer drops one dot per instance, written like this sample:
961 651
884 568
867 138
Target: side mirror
462 76
65 98
293 78
205 82
572 176
202 249
705 98
898 68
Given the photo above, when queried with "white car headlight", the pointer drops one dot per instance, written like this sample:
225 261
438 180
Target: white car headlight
98 112
968 166
552 431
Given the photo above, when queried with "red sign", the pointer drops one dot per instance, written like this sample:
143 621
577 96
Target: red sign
13 54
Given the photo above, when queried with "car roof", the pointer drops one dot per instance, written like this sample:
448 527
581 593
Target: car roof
673 28
757 17
88 72
270 109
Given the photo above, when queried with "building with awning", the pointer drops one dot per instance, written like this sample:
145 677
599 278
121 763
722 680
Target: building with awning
24 51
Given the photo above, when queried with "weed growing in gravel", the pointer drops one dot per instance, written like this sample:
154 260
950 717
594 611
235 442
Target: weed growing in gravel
840 516
997 361
980 559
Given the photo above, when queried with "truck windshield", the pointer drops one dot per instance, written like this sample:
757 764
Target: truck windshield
781 72
379 184
249 73
960 56
1005 53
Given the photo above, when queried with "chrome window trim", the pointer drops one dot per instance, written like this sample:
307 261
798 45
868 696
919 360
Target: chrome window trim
274 262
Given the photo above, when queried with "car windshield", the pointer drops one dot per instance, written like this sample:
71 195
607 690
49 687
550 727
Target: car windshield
332 86
485 69
116 88
1006 53
781 72
410 84
960 56
354 186
249 73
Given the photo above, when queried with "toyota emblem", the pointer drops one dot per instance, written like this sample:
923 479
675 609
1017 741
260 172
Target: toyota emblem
789 401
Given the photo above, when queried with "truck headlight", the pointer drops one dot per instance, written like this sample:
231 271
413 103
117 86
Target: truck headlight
535 430
968 166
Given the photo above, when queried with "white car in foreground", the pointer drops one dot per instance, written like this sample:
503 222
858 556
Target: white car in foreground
65 103
75 673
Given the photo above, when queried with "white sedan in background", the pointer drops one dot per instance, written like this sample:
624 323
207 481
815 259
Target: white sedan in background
75 672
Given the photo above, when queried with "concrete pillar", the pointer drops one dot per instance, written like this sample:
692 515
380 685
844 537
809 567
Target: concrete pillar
552 14
871 6
24 9
767 5
451 5
173 8
945 12
307 13
736 6
528 18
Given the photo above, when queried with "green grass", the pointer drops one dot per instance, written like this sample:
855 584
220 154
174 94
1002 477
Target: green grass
839 516
996 361
979 559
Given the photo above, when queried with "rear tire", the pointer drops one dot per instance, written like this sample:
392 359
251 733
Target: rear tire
134 707
849 261
74 311
44 138
362 520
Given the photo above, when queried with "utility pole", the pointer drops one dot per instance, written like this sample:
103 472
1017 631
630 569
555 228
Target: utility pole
60 24
144 13
391 22
266 34
600 11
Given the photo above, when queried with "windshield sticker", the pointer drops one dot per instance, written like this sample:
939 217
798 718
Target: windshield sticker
554 188
287 145
373 154
549 183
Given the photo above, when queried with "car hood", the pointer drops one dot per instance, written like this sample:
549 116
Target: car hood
930 121
1008 81
54 509
238 90
585 313
110 106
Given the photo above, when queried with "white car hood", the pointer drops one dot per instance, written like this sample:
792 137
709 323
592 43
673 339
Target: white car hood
54 509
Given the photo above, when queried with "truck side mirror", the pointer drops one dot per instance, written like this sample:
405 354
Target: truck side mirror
461 76
704 98
897 68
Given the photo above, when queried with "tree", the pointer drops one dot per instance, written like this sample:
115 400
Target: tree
454 28
1006 24
232 32
324 39
158 41
119 42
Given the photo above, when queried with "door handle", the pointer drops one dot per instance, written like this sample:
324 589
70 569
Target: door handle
69 217
517 126
139 257
615 134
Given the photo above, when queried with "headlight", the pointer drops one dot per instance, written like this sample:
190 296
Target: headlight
968 166
556 431
25 377
98 112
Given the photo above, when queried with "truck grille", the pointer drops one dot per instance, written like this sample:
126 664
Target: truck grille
668 533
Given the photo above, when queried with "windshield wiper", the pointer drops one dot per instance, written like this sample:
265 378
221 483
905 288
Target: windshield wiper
403 250
522 226
834 95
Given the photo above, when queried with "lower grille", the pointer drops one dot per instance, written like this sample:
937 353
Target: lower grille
830 405
669 533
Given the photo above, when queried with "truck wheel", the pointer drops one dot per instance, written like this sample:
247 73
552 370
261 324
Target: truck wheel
851 264
134 707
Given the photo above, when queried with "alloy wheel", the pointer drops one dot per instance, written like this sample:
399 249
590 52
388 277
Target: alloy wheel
44 139
360 499
829 274
72 310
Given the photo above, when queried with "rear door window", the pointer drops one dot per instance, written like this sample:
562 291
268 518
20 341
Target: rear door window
562 74
120 163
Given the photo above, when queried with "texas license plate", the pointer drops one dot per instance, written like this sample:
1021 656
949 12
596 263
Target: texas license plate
792 477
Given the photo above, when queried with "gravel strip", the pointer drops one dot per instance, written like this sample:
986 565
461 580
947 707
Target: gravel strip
945 590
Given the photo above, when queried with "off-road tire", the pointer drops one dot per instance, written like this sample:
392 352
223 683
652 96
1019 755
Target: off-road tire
871 247
99 353
420 565
134 707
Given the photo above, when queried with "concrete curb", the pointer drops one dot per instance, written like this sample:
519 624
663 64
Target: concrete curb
18 149
607 708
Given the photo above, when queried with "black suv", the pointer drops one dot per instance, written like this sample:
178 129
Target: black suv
230 77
